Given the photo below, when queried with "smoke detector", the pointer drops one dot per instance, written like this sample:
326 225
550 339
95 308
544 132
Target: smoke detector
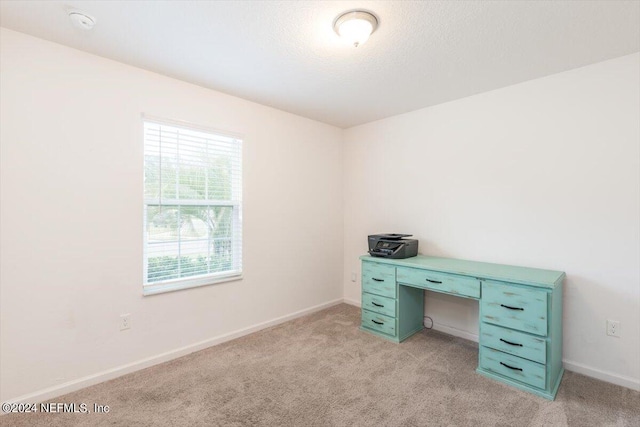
81 20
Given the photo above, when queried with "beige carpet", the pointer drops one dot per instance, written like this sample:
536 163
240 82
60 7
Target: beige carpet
321 370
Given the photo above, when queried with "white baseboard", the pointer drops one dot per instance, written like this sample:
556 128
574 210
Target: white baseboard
70 386
455 332
352 302
579 368
598 374
628 382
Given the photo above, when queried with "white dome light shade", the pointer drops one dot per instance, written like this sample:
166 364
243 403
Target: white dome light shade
355 27
356 31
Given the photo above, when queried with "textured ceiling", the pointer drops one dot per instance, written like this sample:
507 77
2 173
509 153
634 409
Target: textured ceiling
286 55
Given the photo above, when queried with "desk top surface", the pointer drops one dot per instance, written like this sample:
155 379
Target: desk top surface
482 270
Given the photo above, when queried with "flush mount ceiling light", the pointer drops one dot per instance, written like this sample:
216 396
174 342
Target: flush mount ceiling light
81 19
355 26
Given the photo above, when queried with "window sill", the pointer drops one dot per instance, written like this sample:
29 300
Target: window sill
180 284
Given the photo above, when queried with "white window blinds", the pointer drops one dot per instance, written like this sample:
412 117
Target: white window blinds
193 207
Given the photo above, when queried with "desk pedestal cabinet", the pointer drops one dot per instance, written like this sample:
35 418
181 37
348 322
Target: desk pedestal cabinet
520 339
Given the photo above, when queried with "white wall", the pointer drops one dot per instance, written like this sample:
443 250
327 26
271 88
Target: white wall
542 174
71 216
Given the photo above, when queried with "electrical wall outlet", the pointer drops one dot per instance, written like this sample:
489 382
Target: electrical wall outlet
613 328
125 321
354 276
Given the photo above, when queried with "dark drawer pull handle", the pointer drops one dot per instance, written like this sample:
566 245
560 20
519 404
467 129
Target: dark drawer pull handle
511 343
511 367
377 280
382 323
432 281
511 308
377 305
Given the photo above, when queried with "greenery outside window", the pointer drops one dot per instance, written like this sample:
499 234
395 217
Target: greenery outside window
192 207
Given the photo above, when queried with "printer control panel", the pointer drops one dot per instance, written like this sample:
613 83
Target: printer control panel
386 248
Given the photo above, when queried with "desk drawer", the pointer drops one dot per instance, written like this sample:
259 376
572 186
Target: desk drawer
378 304
514 307
379 322
519 369
379 279
513 342
442 282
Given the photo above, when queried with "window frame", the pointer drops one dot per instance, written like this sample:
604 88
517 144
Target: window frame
171 285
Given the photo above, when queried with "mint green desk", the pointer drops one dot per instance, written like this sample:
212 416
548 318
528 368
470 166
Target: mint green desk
520 340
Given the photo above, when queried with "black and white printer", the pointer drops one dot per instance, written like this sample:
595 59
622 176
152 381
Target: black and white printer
392 245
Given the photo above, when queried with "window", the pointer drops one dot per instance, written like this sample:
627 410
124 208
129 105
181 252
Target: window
192 207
